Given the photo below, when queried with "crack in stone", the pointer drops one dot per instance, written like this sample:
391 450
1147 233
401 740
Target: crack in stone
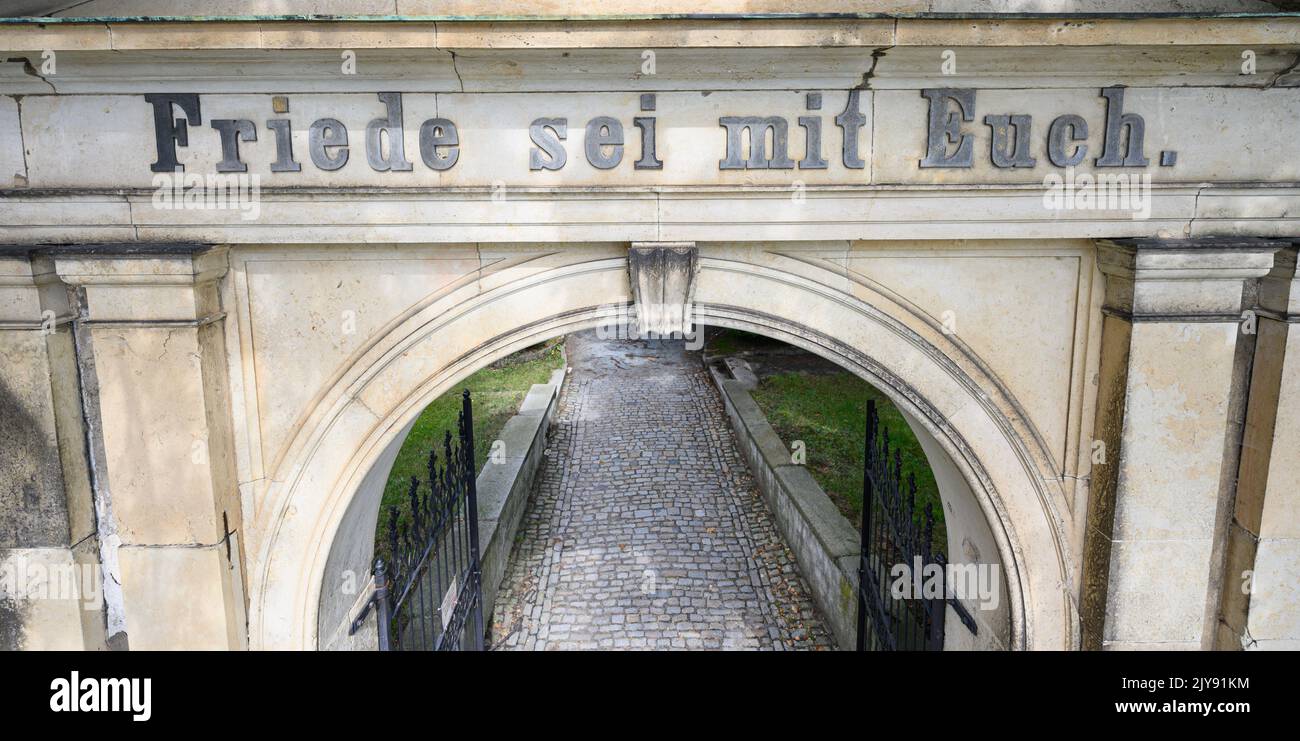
1283 73
1196 207
22 140
30 69
454 68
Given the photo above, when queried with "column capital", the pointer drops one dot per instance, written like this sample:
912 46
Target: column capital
20 302
31 296
1184 279
138 283
138 264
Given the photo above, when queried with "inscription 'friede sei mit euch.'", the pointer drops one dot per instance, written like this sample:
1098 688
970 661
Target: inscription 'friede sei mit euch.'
752 141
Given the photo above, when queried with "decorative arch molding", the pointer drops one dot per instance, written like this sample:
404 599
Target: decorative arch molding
1038 448
948 352
373 401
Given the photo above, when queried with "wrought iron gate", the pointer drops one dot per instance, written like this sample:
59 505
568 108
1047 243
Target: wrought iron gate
430 597
894 532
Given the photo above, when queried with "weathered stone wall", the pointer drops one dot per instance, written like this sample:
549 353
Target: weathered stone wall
1261 562
1183 317
34 505
51 587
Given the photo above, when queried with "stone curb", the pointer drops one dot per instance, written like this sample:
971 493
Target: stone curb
824 543
503 487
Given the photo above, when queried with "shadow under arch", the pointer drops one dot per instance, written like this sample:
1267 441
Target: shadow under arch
315 509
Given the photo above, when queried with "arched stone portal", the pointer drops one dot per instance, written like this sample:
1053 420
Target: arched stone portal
197 383
996 477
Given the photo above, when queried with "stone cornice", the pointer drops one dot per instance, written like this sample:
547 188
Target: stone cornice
719 30
507 68
112 249
446 215
51 268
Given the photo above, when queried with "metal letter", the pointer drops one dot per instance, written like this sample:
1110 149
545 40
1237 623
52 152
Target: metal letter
323 135
604 131
757 127
283 146
1005 152
1067 128
168 131
392 125
1116 120
812 151
548 141
851 120
945 127
435 134
232 131
648 159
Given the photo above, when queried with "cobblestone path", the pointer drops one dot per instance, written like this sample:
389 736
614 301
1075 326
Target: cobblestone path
645 529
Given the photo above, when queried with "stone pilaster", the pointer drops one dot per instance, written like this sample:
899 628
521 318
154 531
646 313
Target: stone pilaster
1176 358
151 338
1261 600
50 579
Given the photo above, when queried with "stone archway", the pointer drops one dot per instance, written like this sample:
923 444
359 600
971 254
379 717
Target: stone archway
967 418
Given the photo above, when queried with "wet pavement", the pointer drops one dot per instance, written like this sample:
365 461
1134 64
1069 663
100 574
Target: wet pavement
645 529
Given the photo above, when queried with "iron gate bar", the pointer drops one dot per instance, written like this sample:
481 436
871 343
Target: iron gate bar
471 481
383 615
890 534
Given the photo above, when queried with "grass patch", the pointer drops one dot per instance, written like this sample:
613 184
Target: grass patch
497 391
828 413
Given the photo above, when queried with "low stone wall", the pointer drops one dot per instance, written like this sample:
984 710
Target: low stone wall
825 544
503 486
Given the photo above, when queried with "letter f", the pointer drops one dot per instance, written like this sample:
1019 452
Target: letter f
168 131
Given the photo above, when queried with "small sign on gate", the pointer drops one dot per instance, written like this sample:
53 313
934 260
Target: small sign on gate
448 603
